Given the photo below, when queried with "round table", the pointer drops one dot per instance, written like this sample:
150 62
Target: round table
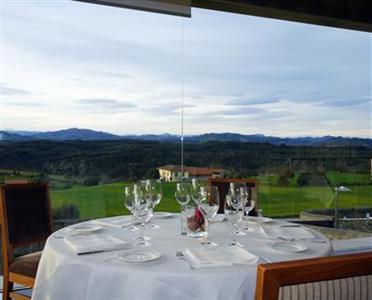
63 274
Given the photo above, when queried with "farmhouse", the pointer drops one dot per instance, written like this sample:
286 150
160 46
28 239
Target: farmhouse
174 173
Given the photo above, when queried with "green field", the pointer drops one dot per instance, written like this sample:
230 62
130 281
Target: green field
276 201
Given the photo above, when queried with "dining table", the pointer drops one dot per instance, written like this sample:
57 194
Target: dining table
68 271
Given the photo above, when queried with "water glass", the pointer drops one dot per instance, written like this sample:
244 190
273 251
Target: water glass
140 210
209 205
153 190
128 203
237 196
198 187
248 206
183 196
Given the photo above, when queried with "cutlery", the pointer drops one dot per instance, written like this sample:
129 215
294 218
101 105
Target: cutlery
290 225
304 239
92 252
318 241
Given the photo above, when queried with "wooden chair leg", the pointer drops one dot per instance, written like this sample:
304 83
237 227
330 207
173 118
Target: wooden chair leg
7 287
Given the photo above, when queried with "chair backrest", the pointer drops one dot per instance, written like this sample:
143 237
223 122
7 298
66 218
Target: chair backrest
16 181
25 214
331 278
223 187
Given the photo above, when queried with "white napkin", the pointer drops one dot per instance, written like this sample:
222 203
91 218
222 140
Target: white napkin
90 243
276 231
219 256
116 222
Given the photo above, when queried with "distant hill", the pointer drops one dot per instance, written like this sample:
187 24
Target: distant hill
8 136
296 141
75 134
91 135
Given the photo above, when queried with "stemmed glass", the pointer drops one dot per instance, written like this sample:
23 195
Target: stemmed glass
153 191
197 188
209 205
250 203
128 203
237 196
182 194
140 210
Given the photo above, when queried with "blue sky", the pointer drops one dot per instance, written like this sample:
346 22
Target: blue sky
70 64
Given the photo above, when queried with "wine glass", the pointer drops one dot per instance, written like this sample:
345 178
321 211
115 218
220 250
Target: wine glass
238 193
236 218
182 194
197 188
140 208
209 205
128 203
228 209
154 193
249 204
237 196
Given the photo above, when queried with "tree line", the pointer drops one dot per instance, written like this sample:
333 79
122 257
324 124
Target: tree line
129 159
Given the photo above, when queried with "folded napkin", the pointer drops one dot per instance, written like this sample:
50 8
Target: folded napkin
83 244
219 256
277 231
116 222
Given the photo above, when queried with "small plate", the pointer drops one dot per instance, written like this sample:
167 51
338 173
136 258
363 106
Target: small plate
264 220
162 214
139 256
261 220
219 218
290 247
86 228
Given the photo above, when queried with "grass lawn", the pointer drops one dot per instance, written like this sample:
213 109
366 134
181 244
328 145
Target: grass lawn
290 201
105 200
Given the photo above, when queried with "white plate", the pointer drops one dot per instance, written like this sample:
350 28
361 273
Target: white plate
261 220
162 214
139 256
286 246
219 218
86 228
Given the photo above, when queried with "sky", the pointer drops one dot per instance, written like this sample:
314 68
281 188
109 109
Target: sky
69 64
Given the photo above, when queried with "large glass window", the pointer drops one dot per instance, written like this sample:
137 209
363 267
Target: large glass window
91 100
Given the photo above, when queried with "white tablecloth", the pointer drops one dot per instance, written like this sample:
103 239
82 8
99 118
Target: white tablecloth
63 275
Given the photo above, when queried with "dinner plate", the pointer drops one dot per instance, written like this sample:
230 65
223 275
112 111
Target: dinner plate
139 256
86 228
162 214
286 246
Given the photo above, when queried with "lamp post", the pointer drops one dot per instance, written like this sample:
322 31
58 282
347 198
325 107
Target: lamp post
338 189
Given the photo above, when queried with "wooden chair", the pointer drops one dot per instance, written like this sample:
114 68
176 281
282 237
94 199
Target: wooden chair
25 218
223 185
347 277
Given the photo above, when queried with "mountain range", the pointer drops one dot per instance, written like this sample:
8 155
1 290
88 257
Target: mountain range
91 135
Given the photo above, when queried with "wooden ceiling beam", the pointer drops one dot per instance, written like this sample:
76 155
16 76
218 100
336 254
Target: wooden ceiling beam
347 14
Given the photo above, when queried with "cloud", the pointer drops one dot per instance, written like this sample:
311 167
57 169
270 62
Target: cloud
346 102
168 108
112 74
248 101
10 91
105 104
240 111
26 103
